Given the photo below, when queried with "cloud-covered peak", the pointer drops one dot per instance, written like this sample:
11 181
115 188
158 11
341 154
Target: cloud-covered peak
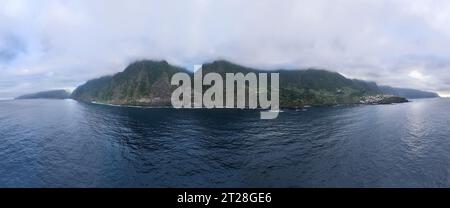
54 44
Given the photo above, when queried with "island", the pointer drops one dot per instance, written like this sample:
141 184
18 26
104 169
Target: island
147 83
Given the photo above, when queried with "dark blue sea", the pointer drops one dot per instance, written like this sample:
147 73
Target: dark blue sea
64 143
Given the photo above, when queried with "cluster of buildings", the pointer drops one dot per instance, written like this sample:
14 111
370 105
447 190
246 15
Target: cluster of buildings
374 99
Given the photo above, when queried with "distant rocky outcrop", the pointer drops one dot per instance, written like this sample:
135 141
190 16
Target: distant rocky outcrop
53 94
408 93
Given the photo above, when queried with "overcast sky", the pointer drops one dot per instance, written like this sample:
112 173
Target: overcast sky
52 44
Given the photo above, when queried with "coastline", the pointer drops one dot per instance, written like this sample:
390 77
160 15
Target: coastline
281 108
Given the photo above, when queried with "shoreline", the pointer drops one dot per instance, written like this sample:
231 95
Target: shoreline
281 108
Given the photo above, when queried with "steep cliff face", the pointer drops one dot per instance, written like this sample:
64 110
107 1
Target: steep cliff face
148 83
141 83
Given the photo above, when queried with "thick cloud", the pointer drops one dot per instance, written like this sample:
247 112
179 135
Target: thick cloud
60 44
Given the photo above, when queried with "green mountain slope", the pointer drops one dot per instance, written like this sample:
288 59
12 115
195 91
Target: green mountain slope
307 87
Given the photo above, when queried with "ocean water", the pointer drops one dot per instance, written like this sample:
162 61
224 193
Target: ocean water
63 143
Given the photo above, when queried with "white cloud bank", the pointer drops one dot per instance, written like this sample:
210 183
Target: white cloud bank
52 44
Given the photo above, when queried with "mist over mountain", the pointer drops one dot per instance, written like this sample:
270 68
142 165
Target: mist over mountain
59 44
